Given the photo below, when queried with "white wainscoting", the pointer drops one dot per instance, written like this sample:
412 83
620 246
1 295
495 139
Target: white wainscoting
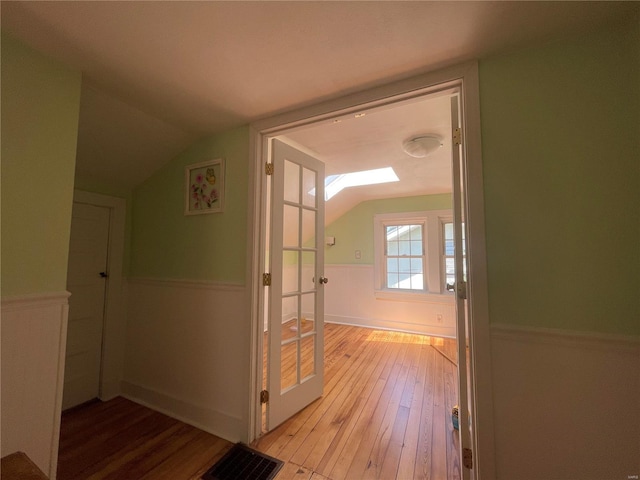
349 299
565 404
187 352
34 333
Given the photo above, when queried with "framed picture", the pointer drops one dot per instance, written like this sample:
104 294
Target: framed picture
204 187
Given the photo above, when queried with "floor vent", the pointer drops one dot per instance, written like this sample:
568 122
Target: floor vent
244 463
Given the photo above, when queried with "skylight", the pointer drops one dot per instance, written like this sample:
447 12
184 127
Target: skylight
334 184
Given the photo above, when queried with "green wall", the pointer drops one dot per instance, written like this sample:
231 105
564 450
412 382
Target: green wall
354 229
211 247
40 107
560 141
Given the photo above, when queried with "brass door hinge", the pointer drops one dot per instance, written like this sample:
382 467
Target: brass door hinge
467 458
264 396
268 168
461 288
266 279
457 136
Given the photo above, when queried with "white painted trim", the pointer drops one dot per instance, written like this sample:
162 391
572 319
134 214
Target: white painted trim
392 325
212 421
35 300
38 301
431 221
114 330
57 415
189 284
463 78
408 296
567 338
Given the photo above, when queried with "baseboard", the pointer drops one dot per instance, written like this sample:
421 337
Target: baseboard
433 330
211 421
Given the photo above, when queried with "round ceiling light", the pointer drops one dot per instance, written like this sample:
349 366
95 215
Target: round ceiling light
422 145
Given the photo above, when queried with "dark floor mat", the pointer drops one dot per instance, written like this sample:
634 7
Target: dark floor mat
244 463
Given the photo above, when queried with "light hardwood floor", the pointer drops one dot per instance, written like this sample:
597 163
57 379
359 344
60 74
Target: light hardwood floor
385 413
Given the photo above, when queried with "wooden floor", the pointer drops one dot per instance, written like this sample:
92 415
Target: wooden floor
122 440
385 413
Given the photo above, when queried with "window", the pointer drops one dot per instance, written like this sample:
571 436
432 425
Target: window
409 263
404 257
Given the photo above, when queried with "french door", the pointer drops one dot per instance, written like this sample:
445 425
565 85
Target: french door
295 295
465 375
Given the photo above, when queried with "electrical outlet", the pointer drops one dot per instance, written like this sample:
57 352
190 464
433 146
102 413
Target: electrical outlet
358 255
439 317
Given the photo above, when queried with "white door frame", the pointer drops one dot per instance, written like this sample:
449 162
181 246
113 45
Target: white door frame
113 334
464 77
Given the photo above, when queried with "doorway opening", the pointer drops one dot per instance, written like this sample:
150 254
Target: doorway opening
96 339
354 152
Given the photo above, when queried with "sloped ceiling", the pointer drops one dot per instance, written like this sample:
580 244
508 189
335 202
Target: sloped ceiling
160 74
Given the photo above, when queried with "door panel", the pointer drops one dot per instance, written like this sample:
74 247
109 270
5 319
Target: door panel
296 313
465 375
87 258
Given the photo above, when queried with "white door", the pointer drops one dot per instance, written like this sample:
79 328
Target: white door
86 280
296 299
465 375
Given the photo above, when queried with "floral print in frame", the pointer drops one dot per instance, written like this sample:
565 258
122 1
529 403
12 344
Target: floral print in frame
204 187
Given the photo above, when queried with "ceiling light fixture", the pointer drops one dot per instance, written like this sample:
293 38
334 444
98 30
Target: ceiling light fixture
421 145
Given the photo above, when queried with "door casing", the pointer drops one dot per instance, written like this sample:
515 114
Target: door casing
463 77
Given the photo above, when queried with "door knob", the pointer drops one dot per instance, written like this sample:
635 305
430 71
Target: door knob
323 280
104 274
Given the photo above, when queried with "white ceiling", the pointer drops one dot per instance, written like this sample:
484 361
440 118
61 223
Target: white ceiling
372 141
159 74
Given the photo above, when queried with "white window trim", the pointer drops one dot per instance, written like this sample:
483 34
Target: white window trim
432 221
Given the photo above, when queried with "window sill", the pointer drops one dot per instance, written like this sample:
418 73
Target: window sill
408 296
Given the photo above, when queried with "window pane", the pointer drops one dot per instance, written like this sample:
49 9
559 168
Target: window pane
392 248
416 247
290 224
392 280
291 182
404 265
392 233
392 265
404 281
289 271
448 247
404 247
307 357
448 231
308 187
416 265
450 266
289 365
417 281
416 232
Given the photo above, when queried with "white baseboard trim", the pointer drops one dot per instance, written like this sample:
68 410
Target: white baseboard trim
432 330
211 421
567 338
186 283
